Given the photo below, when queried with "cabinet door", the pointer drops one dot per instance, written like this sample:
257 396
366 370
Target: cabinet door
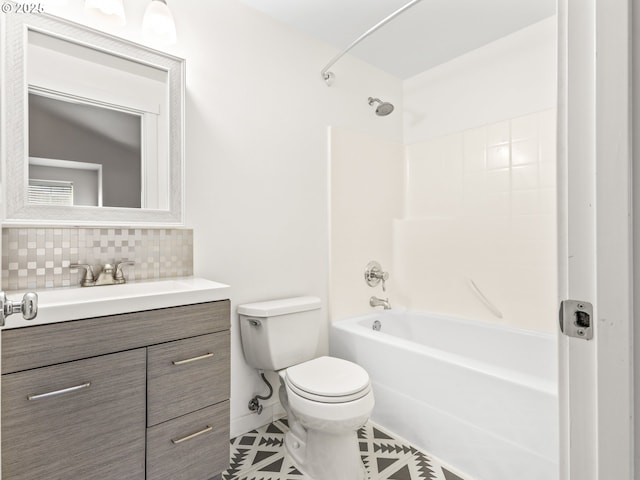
75 421
187 375
191 447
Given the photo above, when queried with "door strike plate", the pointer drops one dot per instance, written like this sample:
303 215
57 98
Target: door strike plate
576 319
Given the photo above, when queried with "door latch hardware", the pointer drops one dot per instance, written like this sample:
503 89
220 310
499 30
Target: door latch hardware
576 319
28 306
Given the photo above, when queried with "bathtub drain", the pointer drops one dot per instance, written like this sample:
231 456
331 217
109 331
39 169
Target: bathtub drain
377 325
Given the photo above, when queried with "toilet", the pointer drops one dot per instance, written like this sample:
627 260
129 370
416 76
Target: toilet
326 399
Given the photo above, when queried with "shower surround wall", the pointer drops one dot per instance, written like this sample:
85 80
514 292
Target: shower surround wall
478 198
481 190
367 185
481 207
39 257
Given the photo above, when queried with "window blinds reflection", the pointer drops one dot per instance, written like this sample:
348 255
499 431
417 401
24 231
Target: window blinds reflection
50 192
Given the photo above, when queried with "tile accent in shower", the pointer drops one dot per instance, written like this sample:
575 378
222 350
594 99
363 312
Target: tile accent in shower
260 455
36 258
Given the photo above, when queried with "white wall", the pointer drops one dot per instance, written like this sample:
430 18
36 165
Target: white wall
510 77
257 114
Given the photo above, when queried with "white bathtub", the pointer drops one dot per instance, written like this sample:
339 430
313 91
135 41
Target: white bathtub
481 397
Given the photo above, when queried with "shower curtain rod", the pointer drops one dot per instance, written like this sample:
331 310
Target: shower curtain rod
329 76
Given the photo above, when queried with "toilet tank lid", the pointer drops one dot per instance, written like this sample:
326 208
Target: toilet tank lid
283 306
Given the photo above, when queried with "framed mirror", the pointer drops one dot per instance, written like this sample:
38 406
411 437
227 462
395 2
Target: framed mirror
95 126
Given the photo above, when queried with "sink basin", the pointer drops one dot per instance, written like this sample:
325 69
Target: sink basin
57 305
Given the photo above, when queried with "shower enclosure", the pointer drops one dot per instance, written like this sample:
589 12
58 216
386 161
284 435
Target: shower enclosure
461 210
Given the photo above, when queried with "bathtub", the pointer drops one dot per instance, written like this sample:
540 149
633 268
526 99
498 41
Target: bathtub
481 397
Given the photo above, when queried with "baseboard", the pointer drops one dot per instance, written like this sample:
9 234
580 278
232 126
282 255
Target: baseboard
251 421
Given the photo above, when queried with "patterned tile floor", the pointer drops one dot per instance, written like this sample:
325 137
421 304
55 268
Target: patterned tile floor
260 455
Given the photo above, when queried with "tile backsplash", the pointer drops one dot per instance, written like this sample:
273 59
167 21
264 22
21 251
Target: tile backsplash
39 257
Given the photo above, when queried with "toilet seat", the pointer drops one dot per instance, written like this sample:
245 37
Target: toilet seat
328 380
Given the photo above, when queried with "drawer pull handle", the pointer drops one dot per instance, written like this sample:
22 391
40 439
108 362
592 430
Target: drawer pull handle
58 392
194 359
206 429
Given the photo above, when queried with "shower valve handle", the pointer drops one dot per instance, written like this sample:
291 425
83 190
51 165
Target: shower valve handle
383 277
374 274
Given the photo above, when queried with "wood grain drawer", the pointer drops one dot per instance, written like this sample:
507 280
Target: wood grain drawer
192 447
38 346
186 375
94 431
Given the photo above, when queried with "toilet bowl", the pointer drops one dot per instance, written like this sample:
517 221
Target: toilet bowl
327 400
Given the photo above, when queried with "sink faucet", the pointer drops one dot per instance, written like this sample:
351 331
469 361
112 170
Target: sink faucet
108 275
380 302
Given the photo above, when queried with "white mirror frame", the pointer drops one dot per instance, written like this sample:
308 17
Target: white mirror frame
15 137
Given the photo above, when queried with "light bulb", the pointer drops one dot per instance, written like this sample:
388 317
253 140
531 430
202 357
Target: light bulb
114 9
158 23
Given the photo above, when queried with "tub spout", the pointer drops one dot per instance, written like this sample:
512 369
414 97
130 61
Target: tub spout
380 302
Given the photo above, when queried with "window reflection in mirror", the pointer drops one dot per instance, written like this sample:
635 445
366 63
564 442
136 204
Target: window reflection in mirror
96 150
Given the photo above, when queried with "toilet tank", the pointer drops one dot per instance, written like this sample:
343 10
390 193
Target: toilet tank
280 333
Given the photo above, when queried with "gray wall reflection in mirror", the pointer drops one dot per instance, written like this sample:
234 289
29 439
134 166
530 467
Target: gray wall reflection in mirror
86 134
86 102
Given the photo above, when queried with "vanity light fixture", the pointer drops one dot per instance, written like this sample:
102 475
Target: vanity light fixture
112 9
158 23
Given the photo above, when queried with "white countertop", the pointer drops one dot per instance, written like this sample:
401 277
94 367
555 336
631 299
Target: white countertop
61 304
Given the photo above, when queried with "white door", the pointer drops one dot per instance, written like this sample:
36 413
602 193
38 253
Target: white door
595 237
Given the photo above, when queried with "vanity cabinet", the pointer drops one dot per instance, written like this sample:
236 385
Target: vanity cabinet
140 395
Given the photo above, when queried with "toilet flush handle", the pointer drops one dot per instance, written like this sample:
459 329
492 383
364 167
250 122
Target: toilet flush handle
254 322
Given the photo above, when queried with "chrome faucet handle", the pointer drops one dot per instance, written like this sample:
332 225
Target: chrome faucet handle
88 279
119 277
384 277
373 275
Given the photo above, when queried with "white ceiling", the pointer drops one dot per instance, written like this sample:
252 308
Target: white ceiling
429 33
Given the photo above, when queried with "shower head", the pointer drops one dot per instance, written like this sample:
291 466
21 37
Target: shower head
382 110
